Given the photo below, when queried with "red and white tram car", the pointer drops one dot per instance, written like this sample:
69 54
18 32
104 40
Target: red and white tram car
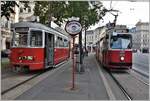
113 50
35 46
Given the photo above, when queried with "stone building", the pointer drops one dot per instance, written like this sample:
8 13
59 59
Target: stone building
6 29
27 14
89 40
141 36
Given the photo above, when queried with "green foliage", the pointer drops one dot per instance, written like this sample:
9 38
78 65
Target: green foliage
48 9
7 7
62 10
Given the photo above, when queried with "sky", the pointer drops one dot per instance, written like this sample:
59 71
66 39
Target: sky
130 13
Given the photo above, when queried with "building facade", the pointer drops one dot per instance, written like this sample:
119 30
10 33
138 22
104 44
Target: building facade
27 14
141 36
6 29
92 36
89 40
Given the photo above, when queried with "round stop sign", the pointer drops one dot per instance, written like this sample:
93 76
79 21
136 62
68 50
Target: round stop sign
73 27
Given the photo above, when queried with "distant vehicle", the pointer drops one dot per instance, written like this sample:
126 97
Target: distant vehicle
5 53
145 50
114 49
35 46
134 50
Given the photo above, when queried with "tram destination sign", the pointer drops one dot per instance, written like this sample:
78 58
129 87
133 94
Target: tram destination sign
73 27
21 29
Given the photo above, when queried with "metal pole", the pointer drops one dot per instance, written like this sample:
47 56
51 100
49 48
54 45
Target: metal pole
85 39
80 46
73 66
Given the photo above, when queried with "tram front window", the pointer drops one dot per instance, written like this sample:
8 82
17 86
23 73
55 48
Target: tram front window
20 39
36 39
120 42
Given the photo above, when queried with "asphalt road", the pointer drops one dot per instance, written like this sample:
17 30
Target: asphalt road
141 62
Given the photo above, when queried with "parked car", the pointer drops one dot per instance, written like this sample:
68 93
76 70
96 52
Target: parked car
5 53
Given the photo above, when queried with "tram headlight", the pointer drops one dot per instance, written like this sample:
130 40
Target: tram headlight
122 58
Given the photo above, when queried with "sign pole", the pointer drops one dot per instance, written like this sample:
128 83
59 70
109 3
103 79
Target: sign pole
73 28
73 67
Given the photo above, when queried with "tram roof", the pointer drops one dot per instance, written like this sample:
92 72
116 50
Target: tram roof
37 26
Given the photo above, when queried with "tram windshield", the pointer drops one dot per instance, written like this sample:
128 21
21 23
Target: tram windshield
23 39
121 41
20 39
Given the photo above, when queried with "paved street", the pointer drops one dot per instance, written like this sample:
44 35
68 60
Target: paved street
94 84
141 62
89 85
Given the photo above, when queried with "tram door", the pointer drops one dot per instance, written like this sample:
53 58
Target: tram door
49 47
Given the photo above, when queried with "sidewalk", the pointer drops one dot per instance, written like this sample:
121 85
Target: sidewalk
5 65
89 85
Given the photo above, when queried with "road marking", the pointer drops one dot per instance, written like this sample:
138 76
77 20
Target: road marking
108 88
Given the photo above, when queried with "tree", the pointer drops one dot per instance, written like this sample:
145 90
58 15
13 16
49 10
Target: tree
46 10
7 7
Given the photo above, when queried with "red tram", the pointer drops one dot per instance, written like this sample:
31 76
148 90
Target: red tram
113 50
35 46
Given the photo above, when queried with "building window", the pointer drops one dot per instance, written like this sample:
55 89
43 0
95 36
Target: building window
29 9
21 10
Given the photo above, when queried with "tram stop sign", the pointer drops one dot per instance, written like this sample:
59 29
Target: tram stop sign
73 27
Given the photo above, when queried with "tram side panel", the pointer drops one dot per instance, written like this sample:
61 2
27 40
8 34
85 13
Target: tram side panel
61 51
60 55
32 58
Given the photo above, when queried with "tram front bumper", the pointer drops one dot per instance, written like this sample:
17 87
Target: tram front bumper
31 66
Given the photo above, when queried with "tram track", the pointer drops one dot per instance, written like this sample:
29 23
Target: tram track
138 78
32 77
127 95
133 87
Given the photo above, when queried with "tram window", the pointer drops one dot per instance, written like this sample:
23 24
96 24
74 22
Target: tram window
36 38
120 42
56 41
65 43
60 42
20 39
